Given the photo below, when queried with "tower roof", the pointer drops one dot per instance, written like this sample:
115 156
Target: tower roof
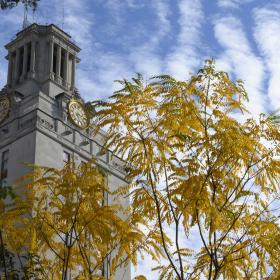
44 30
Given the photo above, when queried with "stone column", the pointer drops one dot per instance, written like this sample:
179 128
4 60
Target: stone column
66 66
10 69
16 73
24 65
73 72
58 61
33 57
51 47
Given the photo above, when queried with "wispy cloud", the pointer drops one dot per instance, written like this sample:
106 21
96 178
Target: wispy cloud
144 58
240 60
98 82
11 23
232 3
184 57
162 11
267 35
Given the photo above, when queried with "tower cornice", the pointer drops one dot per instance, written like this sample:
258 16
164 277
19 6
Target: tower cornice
49 30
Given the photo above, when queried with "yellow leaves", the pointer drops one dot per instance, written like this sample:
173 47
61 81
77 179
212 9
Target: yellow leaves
140 277
165 272
70 217
194 165
33 241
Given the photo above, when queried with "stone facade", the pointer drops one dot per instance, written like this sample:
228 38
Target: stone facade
41 81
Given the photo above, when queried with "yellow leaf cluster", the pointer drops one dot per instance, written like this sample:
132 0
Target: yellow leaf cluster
63 218
194 167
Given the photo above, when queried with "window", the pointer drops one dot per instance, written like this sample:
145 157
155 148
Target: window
54 58
62 62
4 165
28 57
20 65
66 157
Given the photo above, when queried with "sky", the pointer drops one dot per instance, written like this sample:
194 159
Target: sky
121 37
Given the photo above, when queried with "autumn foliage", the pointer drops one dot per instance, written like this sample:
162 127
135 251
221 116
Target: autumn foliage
203 184
61 226
201 169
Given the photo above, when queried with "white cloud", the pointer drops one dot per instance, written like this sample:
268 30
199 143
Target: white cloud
144 267
96 79
99 83
192 241
232 3
134 4
145 58
98 69
224 63
145 61
267 35
163 13
184 57
240 60
3 75
11 22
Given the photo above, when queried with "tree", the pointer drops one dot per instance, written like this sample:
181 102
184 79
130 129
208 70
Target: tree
8 4
4 194
69 227
8 212
200 173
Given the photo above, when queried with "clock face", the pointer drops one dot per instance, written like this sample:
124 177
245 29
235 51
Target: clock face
4 108
78 114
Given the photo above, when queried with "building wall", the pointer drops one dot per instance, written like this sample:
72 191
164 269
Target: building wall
36 135
21 152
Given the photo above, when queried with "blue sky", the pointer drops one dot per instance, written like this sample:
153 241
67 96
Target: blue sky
121 37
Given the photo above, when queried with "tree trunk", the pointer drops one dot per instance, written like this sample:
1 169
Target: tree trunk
3 255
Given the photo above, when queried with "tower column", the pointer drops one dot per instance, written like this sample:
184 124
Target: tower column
51 45
66 66
24 65
10 69
58 65
58 61
33 57
16 71
73 72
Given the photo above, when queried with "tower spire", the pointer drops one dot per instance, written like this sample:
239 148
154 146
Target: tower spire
25 17
63 13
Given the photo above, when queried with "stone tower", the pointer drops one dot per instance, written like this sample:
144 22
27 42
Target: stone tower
36 125
42 58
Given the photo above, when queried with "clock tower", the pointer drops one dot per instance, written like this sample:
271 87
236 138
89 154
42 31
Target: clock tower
43 120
